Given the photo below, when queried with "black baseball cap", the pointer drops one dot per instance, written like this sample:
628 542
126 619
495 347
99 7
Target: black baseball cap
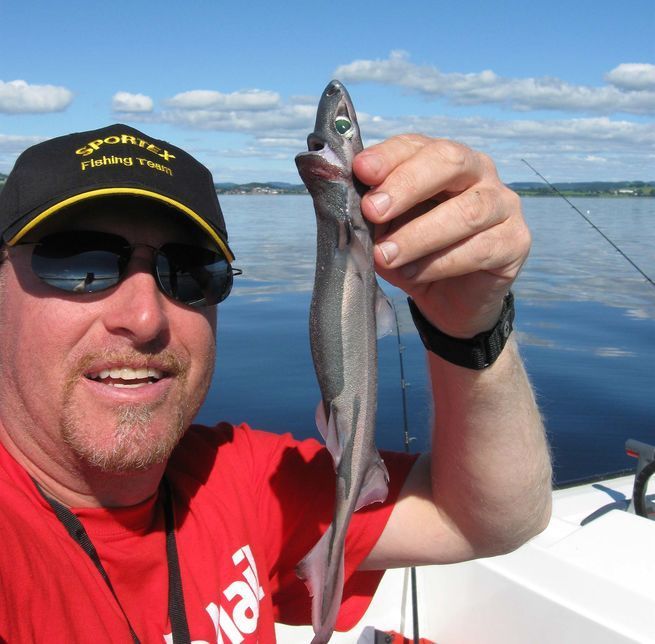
117 160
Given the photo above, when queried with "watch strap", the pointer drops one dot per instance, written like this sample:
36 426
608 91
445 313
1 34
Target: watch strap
478 352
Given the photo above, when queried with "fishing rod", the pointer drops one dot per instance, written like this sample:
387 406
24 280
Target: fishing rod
407 439
591 223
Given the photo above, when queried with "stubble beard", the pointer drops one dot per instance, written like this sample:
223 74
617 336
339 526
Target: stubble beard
133 445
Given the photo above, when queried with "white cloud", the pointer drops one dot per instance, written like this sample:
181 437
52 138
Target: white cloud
292 143
281 119
279 131
598 132
126 102
572 148
19 97
522 94
255 152
594 159
16 143
267 130
200 99
11 146
632 76
259 112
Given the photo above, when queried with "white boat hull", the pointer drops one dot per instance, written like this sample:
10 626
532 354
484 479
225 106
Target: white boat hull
572 583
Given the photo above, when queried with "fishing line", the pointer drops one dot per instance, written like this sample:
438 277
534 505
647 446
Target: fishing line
591 223
407 439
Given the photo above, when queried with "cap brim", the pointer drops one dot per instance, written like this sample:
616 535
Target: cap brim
194 216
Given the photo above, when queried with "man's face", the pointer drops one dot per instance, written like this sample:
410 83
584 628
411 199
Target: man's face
109 380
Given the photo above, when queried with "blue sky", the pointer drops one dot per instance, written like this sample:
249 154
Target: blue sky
569 86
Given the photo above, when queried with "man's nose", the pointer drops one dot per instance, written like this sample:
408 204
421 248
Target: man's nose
137 308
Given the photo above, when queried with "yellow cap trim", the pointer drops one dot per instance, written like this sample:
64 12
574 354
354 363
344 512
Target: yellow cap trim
123 191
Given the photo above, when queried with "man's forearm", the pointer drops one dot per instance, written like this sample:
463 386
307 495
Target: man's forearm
491 473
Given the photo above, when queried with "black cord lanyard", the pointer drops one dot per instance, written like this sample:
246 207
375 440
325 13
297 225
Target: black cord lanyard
176 611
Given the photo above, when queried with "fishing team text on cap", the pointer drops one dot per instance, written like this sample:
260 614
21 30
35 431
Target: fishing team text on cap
128 161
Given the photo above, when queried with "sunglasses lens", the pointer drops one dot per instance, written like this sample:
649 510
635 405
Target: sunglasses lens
193 275
80 262
89 262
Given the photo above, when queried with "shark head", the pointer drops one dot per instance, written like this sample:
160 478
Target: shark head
335 140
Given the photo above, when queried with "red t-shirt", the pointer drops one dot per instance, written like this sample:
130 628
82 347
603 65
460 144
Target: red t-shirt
248 506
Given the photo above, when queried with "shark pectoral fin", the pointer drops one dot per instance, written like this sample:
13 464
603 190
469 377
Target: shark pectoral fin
328 429
385 320
375 487
322 572
360 249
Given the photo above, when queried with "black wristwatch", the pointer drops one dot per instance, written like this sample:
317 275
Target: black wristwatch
477 352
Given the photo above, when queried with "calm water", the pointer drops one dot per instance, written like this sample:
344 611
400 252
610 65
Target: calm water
585 319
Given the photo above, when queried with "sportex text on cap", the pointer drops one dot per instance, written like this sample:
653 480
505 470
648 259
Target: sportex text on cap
115 160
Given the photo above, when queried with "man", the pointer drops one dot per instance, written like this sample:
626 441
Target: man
120 520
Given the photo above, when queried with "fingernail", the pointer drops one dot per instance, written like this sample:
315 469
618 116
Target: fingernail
381 202
389 249
409 270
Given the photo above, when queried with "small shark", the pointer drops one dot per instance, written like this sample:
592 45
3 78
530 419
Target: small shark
347 314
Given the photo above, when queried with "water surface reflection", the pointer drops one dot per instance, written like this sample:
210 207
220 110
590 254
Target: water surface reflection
585 320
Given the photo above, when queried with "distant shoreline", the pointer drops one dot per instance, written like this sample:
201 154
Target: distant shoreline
600 195
614 189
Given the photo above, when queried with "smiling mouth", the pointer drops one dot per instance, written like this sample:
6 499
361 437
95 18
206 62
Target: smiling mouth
127 377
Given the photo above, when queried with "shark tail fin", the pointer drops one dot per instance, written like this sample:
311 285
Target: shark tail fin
323 575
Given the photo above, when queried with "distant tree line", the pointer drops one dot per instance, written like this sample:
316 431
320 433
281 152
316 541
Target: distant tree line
524 188
587 189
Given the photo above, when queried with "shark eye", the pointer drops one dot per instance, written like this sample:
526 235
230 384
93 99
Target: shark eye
342 124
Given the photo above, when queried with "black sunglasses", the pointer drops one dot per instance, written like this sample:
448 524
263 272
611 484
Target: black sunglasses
90 262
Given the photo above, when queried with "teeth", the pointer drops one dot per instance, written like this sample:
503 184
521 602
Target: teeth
127 373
